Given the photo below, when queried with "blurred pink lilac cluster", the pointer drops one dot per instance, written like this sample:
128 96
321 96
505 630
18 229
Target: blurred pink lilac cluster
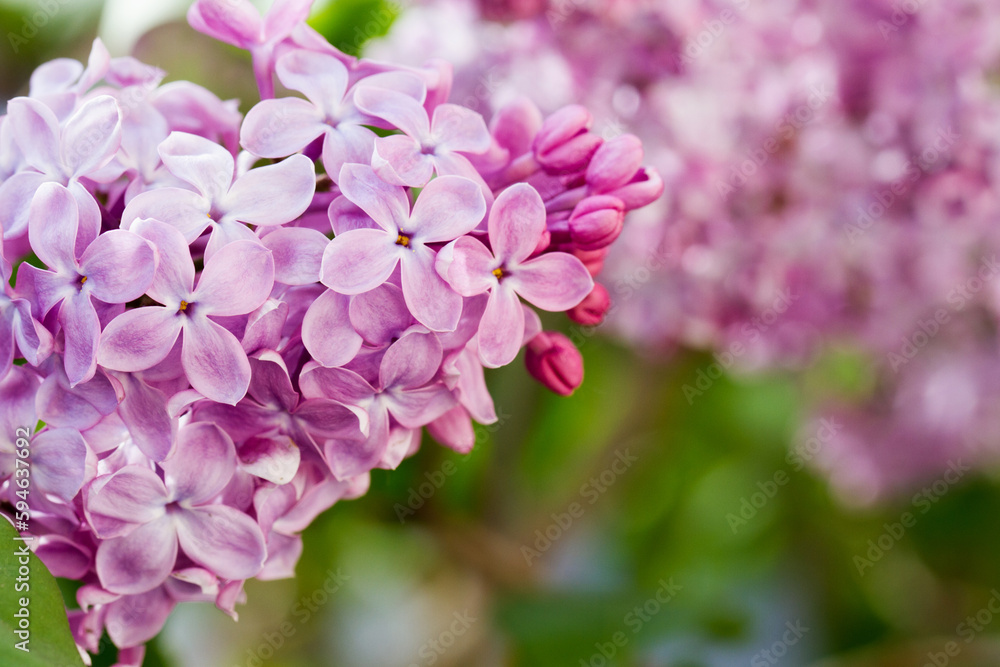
225 323
831 174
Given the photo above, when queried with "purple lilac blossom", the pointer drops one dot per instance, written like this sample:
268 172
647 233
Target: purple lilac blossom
217 349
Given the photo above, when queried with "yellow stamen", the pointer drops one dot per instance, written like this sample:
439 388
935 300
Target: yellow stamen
83 280
184 305
498 273
403 241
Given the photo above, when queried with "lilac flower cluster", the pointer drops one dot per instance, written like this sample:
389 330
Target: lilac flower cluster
225 323
842 152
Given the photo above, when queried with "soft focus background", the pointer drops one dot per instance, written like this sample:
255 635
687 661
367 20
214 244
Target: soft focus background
667 514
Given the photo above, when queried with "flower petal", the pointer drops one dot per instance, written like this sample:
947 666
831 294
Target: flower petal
139 561
236 280
83 332
53 221
91 136
133 620
274 194
418 407
359 260
58 459
386 204
517 221
320 77
119 266
555 281
400 110
235 22
449 207
345 144
432 302
298 254
174 277
138 339
16 195
351 457
411 361
275 459
327 332
278 128
133 495
380 315
144 410
457 128
470 271
501 328
214 361
186 211
201 464
204 164
398 160
222 539
35 128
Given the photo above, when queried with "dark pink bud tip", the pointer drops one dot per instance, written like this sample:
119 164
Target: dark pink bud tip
555 362
591 311
564 145
596 222
643 189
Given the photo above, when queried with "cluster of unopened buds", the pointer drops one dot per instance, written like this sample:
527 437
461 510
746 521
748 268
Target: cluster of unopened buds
225 323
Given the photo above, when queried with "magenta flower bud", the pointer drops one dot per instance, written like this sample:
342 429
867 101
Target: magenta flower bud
591 311
615 164
643 189
553 360
564 144
596 222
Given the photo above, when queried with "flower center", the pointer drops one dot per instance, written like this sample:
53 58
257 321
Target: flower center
184 305
498 272
403 240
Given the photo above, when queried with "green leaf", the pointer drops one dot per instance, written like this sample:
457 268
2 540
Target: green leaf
50 643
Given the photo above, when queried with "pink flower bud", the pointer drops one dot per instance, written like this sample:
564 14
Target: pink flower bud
614 164
564 144
591 311
592 259
643 189
553 360
596 222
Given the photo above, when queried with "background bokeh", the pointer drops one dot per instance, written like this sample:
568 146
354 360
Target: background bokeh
630 524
